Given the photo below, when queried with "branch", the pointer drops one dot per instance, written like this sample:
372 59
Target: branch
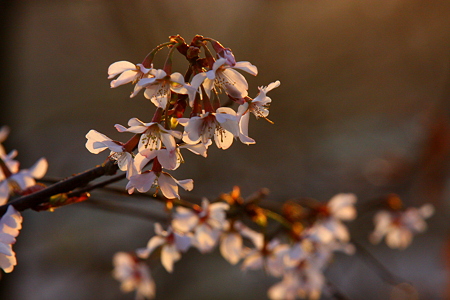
64 186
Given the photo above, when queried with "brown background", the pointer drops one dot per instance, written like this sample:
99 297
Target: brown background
362 107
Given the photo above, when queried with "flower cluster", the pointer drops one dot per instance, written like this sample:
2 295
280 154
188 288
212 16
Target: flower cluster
398 225
159 142
298 252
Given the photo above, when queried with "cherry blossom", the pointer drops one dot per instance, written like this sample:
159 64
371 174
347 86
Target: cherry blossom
129 72
172 244
269 256
134 275
18 181
329 226
206 224
224 77
158 88
399 227
10 224
97 142
154 135
258 106
164 181
222 125
232 246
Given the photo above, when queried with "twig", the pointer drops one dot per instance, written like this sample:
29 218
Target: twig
64 186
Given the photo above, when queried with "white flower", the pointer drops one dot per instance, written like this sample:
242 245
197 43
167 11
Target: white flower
258 106
154 135
10 224
207 224
222 125
168 185
172 243
269 256
330 228
134 275
22 179
129 72
158 88
306 282
97 142
231 246
224 77
399 226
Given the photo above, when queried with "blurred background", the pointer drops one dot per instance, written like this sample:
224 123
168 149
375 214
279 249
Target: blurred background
363 107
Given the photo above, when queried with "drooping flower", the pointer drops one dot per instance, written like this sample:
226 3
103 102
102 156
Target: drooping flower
206 224
164 181
224 77
158 88
399 227
97 142
222 125
231 245
129 72
258 106
10 224
172 244
134 275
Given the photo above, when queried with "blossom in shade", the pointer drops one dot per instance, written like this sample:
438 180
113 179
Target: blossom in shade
269 256
171 242
329 226
134 275
399 227
206 224
10 224
231 241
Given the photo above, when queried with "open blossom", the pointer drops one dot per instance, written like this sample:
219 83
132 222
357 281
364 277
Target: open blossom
134 275
206 224
129 72
10 224
258 106
224 77
330 227
97 142
154 135
158 88
305 282
222 125
164 181
172 244
231 245
399 226
20 180
269 256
